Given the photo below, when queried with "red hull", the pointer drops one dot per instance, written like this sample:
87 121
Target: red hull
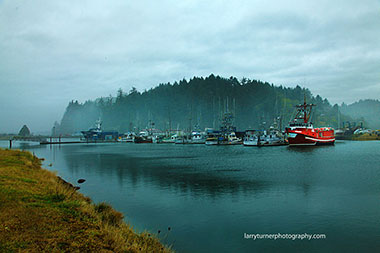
310 136
301 131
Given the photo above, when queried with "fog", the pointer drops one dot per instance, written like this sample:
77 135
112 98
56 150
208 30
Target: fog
52 52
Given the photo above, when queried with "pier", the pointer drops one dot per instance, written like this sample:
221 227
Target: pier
50 140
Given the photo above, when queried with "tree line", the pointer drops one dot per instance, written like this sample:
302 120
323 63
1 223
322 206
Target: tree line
199 101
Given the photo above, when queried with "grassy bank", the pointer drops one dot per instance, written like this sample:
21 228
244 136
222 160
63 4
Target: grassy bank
366 137
41 212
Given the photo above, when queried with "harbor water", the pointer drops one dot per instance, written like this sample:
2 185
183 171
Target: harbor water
204 198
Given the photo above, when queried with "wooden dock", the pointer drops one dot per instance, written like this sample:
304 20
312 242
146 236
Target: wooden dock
75 142
61 142
43 140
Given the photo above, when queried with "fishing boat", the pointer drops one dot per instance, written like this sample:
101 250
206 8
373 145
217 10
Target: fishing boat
127 137
229 138
182 139
212 140
197 137
271 139
263 138
149 135
227 133
144 136
158 139
250 138
169 139
212 137
300 130
97 134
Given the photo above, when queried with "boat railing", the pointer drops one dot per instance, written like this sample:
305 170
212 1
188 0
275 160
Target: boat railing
300 124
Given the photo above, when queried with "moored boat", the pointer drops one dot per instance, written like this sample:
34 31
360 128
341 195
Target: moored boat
169 139
250 138
271 139
212 136
262 138
97 134
227 133
301 131
212 141
143 137
229 138
127 137
197 137
182 139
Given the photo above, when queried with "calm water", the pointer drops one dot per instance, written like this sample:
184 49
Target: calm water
211 195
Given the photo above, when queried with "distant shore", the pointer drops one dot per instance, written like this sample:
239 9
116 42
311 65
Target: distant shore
41 212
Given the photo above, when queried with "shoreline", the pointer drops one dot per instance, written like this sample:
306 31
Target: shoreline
40 211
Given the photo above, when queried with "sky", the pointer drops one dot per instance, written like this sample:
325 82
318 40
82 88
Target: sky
52 52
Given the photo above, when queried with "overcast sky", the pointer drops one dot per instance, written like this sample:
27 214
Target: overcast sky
54 51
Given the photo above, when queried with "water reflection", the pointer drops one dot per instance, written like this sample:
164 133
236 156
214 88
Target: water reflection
179 177
210 196
309 149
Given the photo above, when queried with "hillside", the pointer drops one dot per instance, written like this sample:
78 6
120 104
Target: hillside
196 101
367 110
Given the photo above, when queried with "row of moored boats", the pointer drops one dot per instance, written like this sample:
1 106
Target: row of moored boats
271 137
300 131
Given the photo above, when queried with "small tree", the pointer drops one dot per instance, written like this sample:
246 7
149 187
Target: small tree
24 131
55 129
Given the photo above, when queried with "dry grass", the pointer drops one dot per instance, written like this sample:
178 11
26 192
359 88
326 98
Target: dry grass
41 213
366 137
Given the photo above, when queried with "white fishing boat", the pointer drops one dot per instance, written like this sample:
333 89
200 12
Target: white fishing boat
127 137
144 136
250 138
182 139
197 137
170 139
233 139
263 138
271 139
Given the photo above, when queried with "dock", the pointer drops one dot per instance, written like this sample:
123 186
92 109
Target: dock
47 140
76 142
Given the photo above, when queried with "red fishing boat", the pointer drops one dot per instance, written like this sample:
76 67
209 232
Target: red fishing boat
301 131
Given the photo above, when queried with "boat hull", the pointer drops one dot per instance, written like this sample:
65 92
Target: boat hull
197 142
250 143
299 139
274 143
229 143
142 140
264 143
211 142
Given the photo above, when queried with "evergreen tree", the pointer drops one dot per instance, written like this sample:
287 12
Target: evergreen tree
24 131
197 101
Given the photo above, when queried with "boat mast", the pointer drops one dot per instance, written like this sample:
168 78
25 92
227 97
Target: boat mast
303 112
338 117
305 119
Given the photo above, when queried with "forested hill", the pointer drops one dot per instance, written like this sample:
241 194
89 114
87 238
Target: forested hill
196 101
367 110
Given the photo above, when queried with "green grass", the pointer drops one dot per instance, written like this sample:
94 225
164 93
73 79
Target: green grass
40 213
